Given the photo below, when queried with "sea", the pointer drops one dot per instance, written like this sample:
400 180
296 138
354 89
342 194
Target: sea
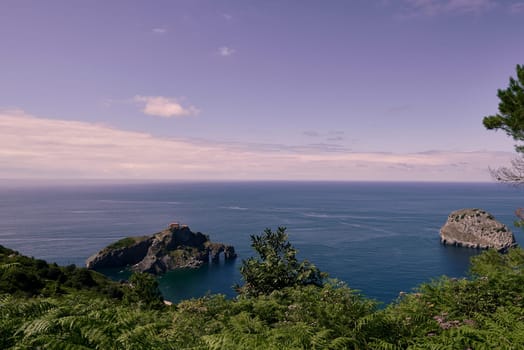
379 238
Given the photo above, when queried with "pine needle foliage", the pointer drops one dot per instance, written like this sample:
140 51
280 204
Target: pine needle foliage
510 117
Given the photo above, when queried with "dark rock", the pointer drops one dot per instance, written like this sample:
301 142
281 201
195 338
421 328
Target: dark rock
216 248
229 252
174 248
113 257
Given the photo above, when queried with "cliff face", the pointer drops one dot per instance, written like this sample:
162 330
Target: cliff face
476 228
116 255
173 248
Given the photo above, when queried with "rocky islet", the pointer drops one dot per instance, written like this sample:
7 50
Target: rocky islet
173 248
476 228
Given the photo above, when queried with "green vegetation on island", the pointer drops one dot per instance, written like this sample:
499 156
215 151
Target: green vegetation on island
125 242
303 310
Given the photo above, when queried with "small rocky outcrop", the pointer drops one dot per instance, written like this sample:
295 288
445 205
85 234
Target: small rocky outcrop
476 228
174 248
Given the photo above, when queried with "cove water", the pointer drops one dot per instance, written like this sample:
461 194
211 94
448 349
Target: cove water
379 238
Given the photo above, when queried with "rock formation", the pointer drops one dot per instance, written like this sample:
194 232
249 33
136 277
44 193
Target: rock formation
476 228
173 248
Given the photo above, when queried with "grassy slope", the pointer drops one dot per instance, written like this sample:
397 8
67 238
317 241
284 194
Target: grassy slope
27 277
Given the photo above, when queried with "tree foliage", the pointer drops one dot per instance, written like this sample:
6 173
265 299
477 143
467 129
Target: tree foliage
276 266
510 117
24 276
144 291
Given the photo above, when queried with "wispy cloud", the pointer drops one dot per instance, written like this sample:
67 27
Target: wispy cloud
330 136
165 107
517 7
415 8
311 133
469 6
336 138
227 16
39 148
225 51
159 30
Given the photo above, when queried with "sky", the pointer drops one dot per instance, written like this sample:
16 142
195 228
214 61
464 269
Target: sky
354 90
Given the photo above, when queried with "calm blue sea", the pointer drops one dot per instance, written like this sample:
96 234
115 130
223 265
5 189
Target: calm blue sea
380 238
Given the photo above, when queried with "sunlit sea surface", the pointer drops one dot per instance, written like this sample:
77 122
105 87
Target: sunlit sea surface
379 238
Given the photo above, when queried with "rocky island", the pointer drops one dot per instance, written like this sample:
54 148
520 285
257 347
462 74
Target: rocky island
173 248
476 228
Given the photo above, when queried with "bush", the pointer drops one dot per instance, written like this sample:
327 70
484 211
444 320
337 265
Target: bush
276 266
144 291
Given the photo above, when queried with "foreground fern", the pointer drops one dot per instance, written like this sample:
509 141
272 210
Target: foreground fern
485 311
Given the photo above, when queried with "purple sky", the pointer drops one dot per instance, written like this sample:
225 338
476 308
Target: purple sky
310 90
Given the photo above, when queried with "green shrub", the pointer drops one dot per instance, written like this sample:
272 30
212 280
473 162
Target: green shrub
125 242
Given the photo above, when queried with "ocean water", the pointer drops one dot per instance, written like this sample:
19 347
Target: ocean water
379 238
